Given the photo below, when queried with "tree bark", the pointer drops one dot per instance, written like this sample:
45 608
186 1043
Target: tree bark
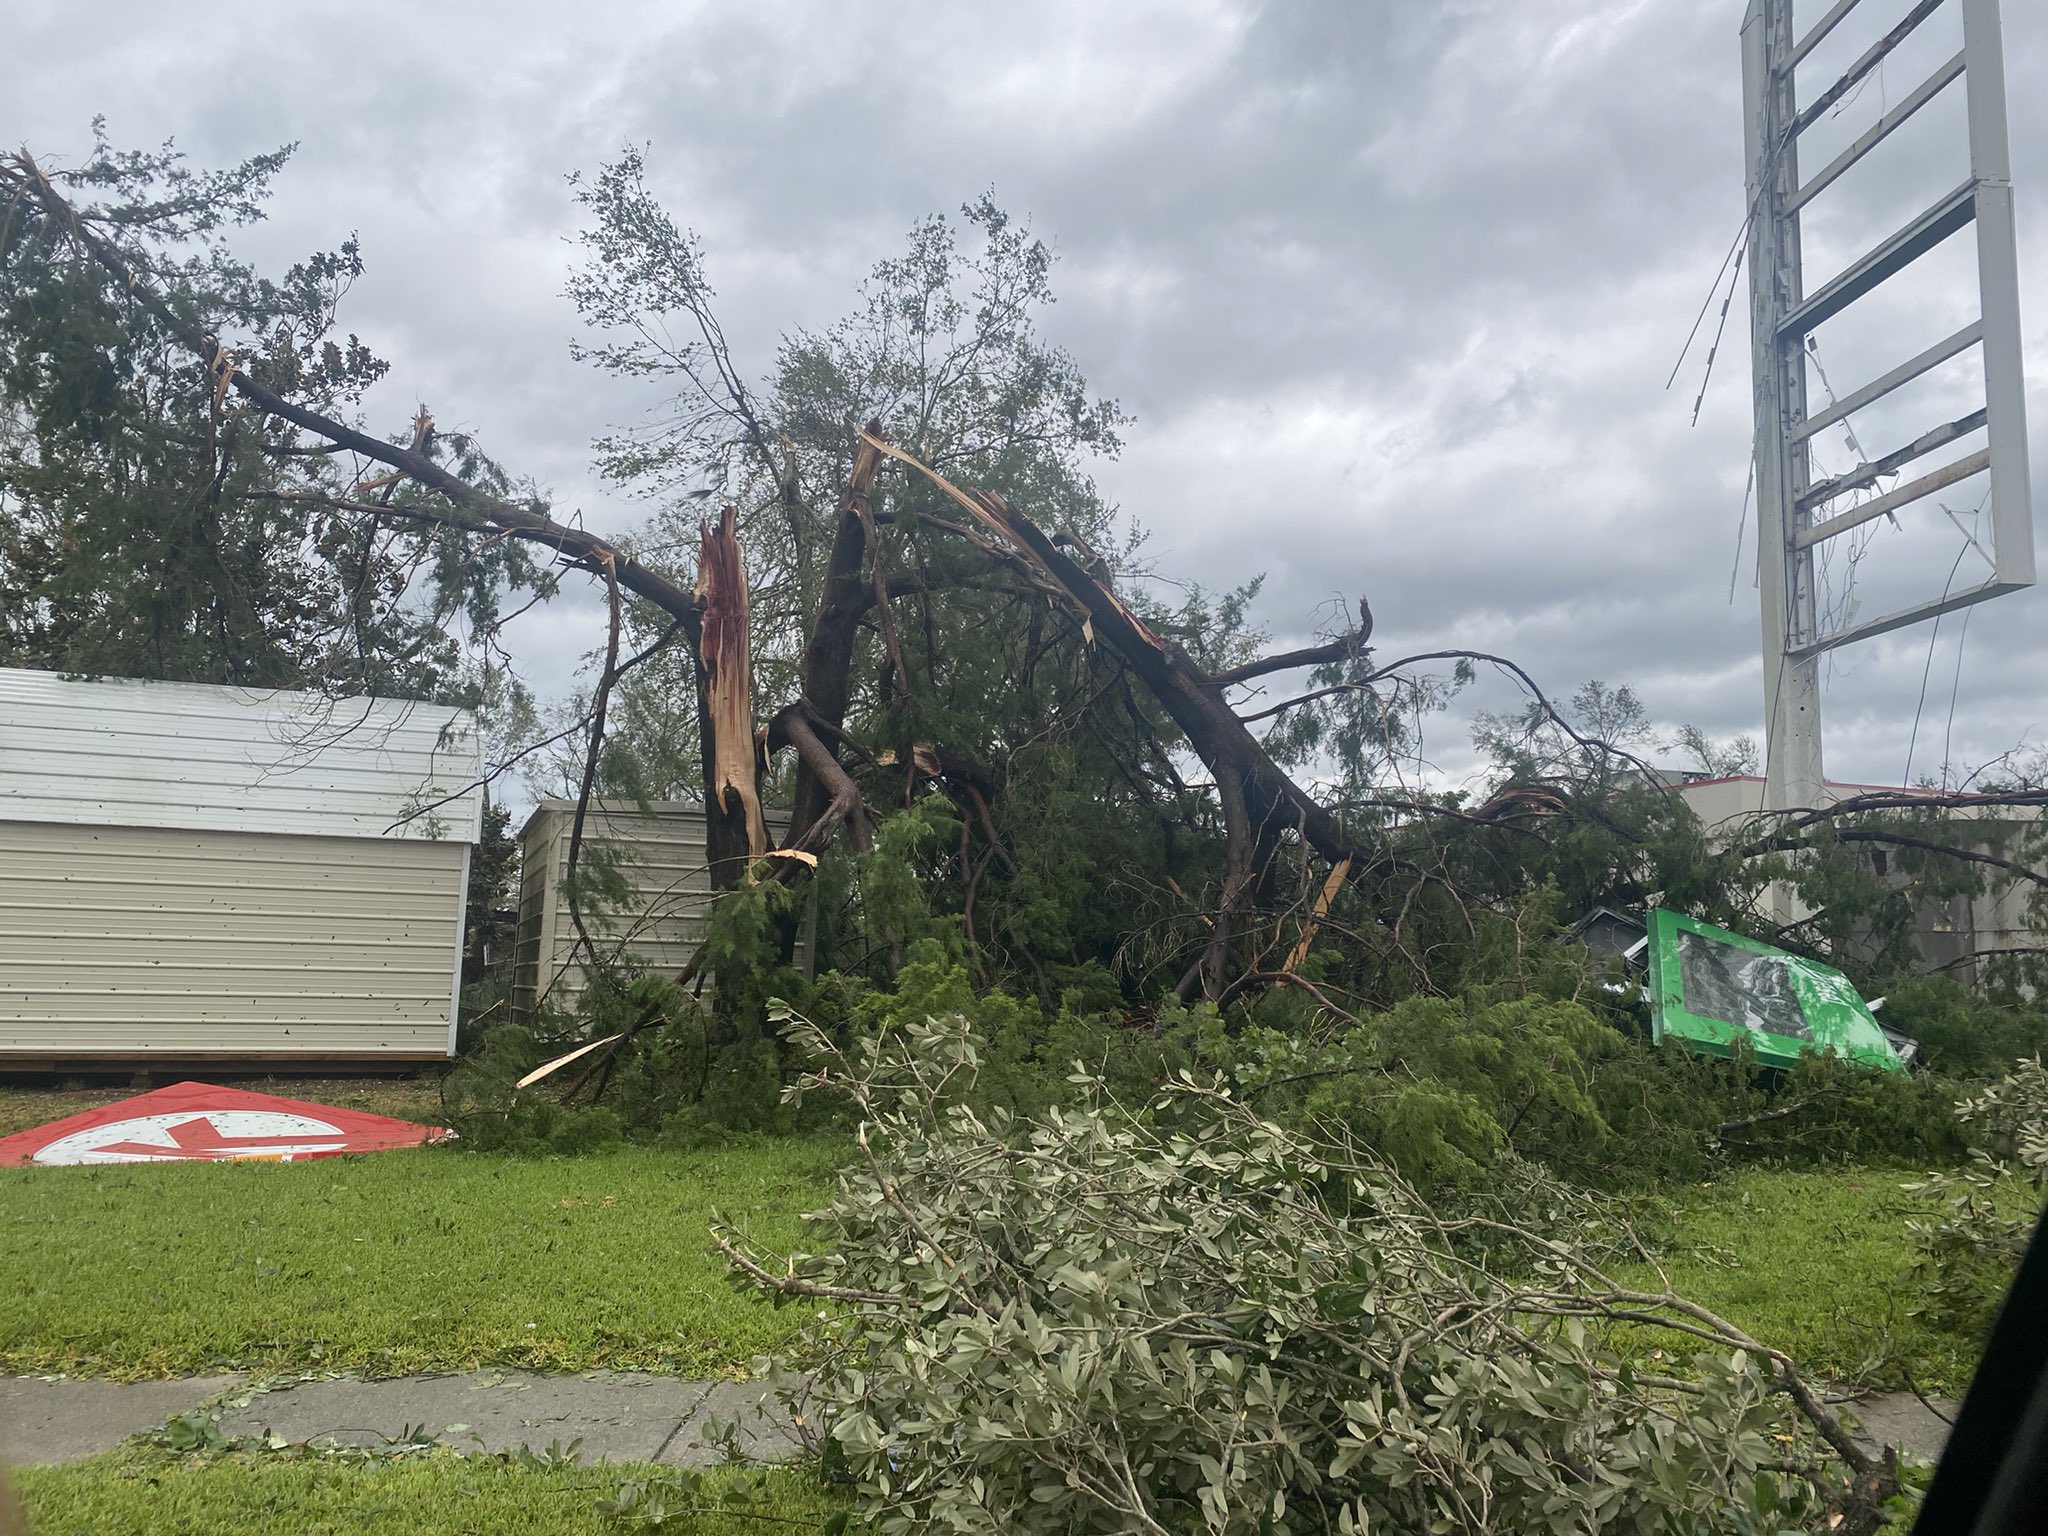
735 834
1261 802
828 651
794 727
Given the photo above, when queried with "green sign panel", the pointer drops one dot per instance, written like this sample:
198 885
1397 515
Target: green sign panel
1710 988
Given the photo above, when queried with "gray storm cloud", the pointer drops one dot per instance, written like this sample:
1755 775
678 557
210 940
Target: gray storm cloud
1391 290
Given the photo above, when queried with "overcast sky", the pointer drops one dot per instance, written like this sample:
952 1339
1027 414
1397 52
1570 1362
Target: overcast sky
1391 287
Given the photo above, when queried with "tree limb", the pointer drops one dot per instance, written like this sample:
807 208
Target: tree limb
469 507
828 653
1308 656
1787 843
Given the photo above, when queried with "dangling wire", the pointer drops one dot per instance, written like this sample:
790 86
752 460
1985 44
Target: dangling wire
1722 325
1742 523
1734 254
1914 738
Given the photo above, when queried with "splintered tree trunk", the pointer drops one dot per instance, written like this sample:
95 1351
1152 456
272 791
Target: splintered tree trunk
828 653
734 832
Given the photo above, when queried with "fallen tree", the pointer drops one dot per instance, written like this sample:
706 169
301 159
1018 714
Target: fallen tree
1260 803
834 609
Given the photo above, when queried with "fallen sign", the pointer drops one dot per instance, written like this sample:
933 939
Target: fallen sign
1717 991
198 1122
1712 989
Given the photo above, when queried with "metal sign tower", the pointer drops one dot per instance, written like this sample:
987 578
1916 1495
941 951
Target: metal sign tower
1797 513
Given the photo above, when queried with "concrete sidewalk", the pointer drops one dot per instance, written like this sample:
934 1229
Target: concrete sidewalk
618 1415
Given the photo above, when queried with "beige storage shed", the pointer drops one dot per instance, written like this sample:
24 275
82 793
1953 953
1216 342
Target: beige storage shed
193 873
657 854
656 851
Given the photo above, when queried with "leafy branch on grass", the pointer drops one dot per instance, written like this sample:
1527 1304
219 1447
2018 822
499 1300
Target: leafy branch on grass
1970 1247
1181 1317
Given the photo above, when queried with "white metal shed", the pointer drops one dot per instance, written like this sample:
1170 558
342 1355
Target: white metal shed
657 853
198 873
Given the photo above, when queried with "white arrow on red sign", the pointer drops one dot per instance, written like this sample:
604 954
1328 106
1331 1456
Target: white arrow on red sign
198 1122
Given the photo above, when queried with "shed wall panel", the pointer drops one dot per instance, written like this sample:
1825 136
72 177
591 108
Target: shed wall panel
661 923
120 752
149 941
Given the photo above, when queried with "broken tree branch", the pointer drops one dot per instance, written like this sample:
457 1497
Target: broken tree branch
1733 1129
793 727
599 704
1338 649
1787 843
468 507
828 652
1260 801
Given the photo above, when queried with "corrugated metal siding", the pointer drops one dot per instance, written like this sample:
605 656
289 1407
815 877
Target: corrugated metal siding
115 752
536 919
149 941
661 923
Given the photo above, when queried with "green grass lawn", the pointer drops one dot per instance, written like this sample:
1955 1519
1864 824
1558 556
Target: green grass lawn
142 1492
1818 1265
399 1262
441 1259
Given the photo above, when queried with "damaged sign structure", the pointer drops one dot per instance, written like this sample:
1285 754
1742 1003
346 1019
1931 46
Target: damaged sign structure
1717 991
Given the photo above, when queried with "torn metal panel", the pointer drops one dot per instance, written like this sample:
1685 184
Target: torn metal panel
1714 989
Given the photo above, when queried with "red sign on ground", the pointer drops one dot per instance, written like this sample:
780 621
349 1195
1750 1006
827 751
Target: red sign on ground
197 1122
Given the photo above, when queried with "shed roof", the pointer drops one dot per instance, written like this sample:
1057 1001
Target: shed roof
121 752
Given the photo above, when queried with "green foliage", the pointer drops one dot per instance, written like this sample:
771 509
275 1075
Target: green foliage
1446 1088
944 348
1836 1111
150 526
542 1127
490 1115
1961 1033
1532 1061
1737 755
1525 1070
1032 1050
1970 1247
1534 744
687 1500
689 1066
895 881
1082 1322
742 1086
